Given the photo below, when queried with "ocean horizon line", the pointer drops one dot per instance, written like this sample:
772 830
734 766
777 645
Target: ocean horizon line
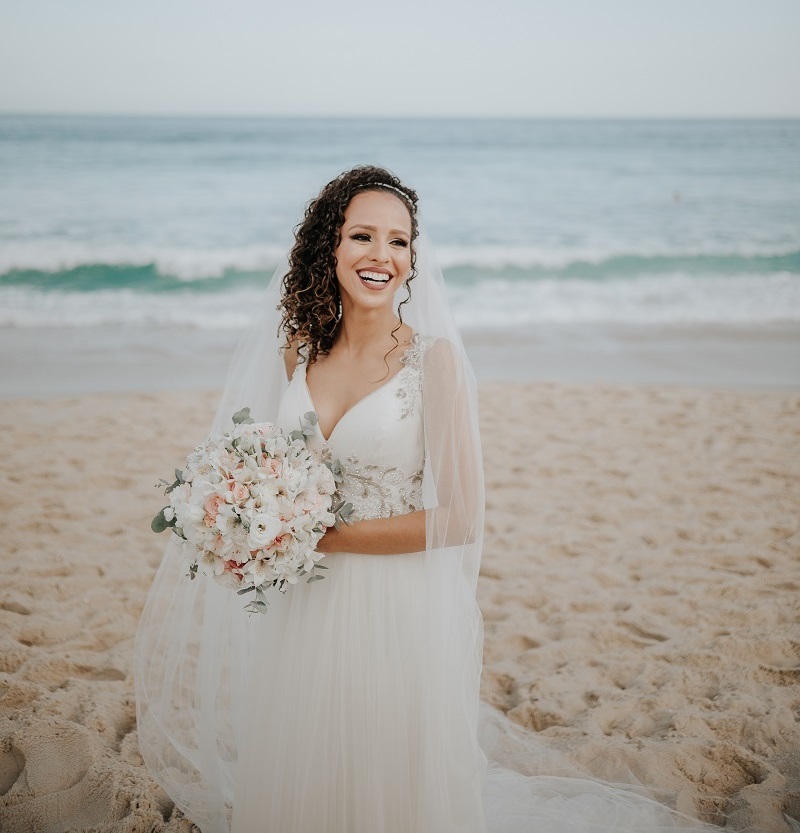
389 117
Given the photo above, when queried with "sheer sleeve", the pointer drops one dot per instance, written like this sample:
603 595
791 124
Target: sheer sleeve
453 458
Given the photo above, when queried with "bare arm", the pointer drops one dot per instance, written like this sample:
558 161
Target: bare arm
381 536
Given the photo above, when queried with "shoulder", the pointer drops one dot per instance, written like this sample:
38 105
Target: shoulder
418 346
291 351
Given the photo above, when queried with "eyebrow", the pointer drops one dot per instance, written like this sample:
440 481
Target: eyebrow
372 228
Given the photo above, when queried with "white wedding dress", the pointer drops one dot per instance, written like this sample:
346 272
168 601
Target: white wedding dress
355 716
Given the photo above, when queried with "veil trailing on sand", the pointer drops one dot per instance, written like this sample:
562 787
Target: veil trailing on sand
195 647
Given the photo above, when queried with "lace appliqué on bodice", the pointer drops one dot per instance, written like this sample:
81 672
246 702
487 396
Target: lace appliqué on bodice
410 377
378 491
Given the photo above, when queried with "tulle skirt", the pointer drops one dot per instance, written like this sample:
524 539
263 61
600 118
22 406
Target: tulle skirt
359 719
362 718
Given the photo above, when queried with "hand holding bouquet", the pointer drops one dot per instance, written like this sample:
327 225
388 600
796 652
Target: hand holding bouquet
251 506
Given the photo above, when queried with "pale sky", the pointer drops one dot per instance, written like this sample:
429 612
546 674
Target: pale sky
417 57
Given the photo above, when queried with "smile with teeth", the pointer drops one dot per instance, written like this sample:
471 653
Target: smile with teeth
374 277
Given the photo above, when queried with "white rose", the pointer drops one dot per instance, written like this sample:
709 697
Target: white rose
188 516
264 529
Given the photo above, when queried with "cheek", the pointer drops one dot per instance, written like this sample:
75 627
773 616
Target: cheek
344 256
403 260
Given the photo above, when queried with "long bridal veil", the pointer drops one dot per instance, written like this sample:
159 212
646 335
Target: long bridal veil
195 648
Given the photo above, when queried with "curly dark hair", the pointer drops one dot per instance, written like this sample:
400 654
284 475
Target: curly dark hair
310 299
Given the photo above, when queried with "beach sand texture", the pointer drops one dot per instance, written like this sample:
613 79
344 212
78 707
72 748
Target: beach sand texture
640 591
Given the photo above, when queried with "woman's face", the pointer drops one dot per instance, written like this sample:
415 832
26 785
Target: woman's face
374 255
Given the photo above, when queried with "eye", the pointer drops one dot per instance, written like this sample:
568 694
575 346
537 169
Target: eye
359 235
400 242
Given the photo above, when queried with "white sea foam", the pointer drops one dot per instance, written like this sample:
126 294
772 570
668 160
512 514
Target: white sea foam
499 256
664 299
188 264
487 304
199 263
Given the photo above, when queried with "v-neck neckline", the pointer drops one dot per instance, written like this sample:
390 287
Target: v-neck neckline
326 440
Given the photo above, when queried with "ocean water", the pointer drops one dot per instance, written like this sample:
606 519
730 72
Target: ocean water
140 221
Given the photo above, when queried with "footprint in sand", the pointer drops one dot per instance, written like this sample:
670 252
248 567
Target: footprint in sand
53 778
15 607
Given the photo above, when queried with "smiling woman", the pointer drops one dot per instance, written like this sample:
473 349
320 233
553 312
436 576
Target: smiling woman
358 232
353 705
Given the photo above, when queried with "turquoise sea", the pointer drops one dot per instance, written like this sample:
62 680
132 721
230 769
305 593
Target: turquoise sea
147 221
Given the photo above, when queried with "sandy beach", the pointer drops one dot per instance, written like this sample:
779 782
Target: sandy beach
639 588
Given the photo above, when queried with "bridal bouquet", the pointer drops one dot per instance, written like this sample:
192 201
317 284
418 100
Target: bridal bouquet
251 506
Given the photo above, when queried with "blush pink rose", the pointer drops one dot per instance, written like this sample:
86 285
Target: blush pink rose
240 492
211 507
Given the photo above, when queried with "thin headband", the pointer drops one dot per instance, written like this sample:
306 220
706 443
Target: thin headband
388 188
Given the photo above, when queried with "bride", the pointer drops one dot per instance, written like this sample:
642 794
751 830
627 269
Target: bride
352 705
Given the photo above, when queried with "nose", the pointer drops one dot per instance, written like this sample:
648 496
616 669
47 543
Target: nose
380 251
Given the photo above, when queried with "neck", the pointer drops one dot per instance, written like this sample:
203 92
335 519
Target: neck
361 329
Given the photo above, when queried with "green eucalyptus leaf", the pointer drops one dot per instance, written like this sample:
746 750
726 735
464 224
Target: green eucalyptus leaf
256 607
345 513
159 523
243 416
